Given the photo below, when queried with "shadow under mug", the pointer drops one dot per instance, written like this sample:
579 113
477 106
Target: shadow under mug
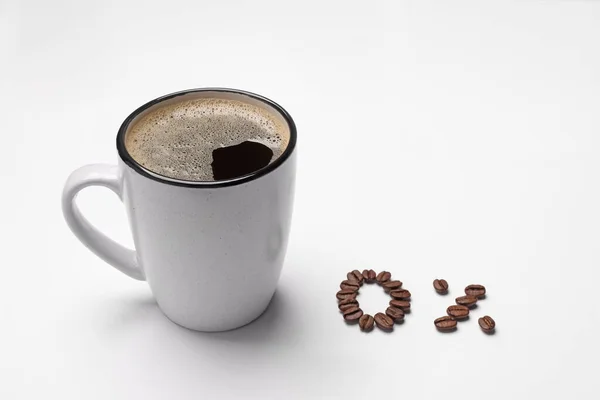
212 252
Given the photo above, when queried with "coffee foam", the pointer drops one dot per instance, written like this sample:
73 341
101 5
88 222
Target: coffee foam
177 140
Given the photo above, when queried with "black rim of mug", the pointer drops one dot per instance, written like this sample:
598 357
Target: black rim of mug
127 159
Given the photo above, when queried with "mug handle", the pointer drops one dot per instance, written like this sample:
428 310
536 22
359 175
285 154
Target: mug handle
120 257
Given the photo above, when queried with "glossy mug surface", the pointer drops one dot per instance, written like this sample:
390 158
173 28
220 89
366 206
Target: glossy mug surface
211 251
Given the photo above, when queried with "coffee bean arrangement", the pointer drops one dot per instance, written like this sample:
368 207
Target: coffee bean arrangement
460 311
350 308
399 305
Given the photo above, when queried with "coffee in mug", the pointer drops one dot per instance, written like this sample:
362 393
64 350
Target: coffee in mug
207 139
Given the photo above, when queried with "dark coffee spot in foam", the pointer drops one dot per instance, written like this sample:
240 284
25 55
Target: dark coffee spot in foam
240 159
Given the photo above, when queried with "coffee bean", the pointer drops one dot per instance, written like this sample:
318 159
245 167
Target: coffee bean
440 286
372 275
350 285
445 323
359 277
384 322
366 322
352 309
369 275
475 290
487 324
391 285
468 301
383 276
458 312
352 314
355 276
404 305
395 313
400 294
345 294
344 307
349 300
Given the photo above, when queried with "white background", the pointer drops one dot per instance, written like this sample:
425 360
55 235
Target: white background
455 139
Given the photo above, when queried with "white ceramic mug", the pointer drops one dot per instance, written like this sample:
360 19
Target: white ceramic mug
212 252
